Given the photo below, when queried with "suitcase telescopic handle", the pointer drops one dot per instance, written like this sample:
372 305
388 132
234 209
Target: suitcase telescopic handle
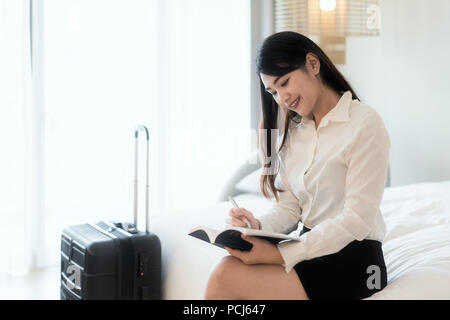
136 134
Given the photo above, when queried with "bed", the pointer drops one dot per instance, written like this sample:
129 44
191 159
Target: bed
416 247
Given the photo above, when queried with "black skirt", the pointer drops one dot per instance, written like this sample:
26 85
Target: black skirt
355 272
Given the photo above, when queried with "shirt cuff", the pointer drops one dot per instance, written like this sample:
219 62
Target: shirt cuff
292 252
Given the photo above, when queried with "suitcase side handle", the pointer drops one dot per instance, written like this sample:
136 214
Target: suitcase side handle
138 129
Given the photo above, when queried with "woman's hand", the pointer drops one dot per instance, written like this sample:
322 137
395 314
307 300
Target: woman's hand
240 216
262 252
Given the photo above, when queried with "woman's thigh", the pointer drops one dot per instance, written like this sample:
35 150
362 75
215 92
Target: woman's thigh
233 279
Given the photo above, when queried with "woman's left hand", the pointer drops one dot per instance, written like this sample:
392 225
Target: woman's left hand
262 252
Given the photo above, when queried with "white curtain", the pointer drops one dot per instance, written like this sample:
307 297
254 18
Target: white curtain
15 143
180 67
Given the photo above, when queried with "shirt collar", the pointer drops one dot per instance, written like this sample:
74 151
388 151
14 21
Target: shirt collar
340 112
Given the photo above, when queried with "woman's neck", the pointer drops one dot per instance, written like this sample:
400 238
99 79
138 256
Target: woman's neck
326 101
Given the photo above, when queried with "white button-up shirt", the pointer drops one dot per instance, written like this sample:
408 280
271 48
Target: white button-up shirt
335 178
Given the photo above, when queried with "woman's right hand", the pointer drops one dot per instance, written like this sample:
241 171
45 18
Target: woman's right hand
240 216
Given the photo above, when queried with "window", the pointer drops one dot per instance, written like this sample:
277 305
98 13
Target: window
109 65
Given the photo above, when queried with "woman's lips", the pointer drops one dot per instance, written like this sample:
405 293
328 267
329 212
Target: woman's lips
296 104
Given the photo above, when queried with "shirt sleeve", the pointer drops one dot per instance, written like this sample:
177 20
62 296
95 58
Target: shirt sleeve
367 160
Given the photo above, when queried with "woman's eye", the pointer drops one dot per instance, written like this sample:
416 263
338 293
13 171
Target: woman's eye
283 84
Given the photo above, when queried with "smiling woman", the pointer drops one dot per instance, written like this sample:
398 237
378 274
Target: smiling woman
331 178
292 66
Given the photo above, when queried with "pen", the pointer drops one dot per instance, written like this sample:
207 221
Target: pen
230 198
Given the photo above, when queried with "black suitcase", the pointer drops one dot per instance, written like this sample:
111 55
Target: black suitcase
112 260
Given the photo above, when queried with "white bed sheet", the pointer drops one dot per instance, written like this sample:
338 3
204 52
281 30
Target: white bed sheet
416 248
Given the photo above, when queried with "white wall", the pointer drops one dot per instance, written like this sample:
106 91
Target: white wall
404 74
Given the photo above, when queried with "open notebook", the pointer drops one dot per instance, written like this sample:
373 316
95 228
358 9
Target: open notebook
231 236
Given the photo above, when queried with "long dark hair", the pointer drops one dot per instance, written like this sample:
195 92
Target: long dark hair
279 54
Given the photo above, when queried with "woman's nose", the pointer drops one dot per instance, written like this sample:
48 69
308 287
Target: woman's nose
285 98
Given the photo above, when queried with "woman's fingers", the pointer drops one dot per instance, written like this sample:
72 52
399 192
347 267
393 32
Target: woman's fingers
244 216
238 222
243 211
238 212
235 222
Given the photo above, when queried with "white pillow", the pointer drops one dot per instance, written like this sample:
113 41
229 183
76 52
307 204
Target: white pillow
250 183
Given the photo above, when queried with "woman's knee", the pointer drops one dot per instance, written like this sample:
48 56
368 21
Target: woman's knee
220 280
222 274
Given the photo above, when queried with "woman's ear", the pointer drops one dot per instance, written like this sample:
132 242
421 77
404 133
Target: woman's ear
312 63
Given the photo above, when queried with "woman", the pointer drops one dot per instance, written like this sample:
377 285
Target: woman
329 174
